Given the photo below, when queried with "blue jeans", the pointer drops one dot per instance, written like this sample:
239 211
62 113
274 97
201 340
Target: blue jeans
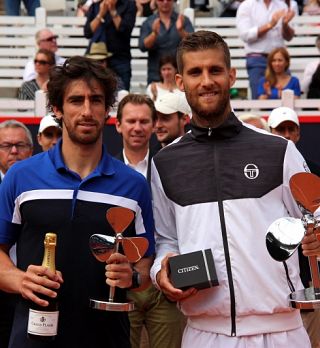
123 70
256 67
13 7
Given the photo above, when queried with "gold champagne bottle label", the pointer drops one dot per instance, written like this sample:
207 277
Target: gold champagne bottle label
49 260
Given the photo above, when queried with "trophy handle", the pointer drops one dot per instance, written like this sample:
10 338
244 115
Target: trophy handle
112 289
314 268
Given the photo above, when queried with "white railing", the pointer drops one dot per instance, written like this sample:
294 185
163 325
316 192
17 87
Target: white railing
37 108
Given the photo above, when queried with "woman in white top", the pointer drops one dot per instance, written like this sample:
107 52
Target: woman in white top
168 70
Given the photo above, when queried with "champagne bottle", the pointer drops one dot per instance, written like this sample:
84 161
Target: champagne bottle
43 321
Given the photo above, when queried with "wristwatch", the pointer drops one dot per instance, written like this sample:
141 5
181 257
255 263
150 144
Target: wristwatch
136 279
101 19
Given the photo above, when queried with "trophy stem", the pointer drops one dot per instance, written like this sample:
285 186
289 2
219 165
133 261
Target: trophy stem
112 288
313 262
111 305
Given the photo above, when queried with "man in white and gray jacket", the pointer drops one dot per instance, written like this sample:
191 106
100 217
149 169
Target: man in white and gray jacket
220 187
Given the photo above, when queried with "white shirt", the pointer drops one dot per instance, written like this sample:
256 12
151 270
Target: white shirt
29 70
253 14
162 91
141 167
309 70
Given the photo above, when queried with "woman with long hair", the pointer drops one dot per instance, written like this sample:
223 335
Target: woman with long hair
168 70
277 77
43 62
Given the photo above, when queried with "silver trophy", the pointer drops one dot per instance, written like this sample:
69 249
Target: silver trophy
285 235
103 246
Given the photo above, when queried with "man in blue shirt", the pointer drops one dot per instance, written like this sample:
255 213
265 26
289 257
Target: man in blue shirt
67 190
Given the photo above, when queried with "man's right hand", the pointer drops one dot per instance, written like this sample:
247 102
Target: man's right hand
104 8
156 26
172 293
37 281
276 16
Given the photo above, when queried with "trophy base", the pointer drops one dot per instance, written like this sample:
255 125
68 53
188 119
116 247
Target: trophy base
112 306
305 299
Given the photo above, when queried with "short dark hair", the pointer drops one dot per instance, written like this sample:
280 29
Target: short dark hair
136 99
80 68
50 55
202 40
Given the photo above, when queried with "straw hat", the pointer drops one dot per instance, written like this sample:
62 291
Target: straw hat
98 51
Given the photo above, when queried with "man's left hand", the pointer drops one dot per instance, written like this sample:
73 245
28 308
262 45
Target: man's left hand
180 22
288 16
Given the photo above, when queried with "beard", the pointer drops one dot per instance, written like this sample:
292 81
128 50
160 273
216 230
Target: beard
84 138
213 116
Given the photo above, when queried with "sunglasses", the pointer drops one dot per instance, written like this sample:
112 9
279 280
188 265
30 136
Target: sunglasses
41 62
50 39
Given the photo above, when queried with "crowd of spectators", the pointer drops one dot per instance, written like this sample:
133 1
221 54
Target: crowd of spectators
112 22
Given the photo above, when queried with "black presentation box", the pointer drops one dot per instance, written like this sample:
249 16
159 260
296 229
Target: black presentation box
195 269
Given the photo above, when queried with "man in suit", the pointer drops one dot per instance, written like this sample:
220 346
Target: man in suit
135 122
136 117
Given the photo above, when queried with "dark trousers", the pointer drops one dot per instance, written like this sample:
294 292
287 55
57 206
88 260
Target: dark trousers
7 306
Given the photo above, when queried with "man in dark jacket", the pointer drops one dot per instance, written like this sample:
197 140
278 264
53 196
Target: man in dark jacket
112 21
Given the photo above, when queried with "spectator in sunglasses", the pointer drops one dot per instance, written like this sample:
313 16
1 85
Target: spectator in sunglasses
45 39
49 132
43 63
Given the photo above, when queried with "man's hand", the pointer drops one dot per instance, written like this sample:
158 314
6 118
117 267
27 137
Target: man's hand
180 22
276 16
103 8
288 16
118 271
39 280
156 26
310 243
172 293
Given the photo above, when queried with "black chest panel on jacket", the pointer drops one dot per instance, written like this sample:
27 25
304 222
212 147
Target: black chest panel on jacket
247 164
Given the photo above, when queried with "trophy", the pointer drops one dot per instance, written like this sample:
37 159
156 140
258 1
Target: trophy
103 246
285 235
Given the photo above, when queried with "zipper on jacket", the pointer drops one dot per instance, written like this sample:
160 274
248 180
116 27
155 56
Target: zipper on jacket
209 132
225 245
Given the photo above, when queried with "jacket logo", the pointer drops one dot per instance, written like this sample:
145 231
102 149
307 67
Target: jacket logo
251 171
